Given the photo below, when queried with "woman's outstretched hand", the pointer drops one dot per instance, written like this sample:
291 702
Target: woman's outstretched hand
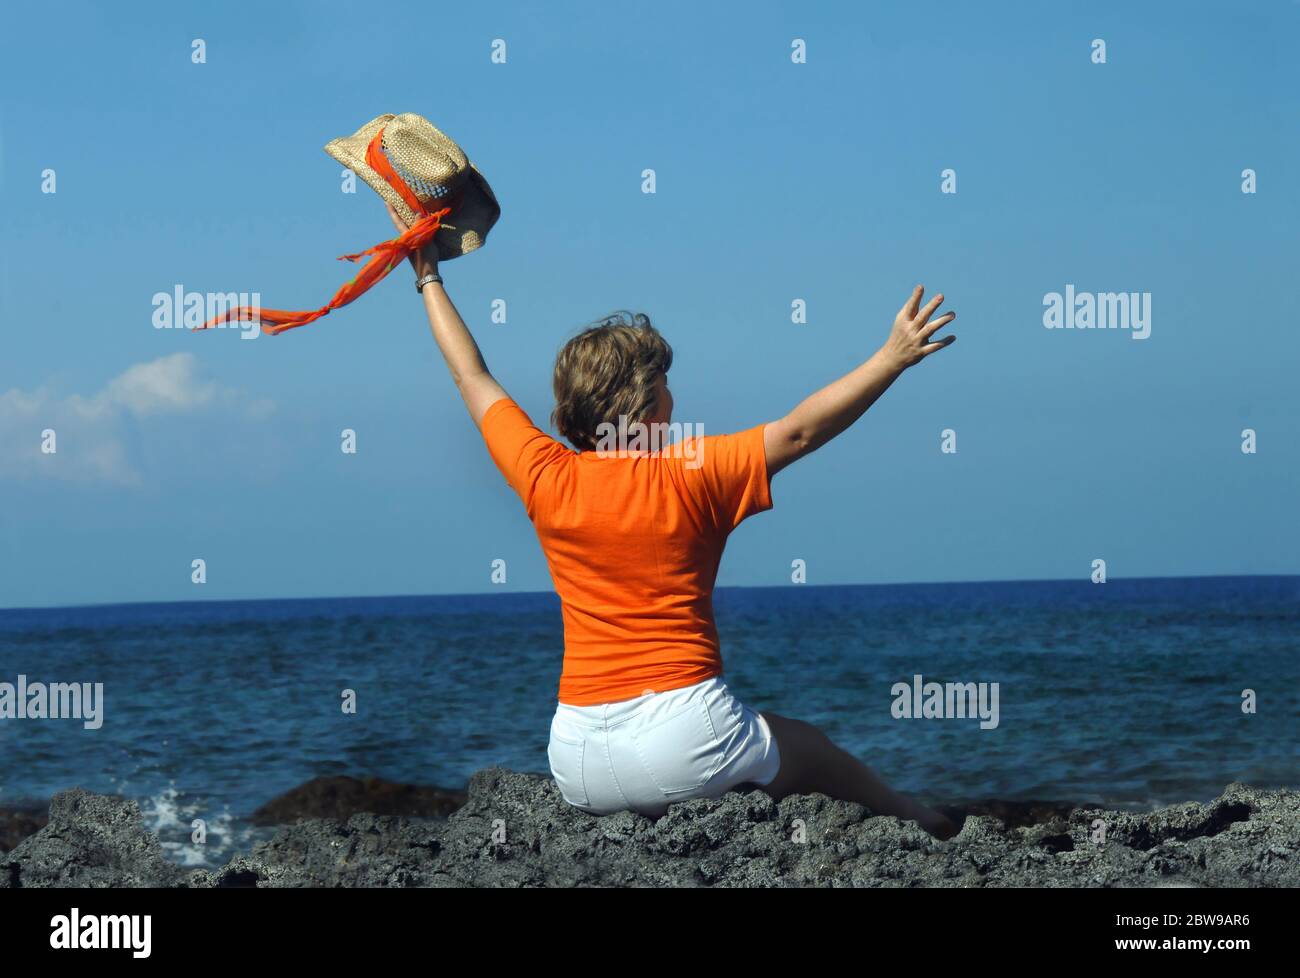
821 416
910 340
423 261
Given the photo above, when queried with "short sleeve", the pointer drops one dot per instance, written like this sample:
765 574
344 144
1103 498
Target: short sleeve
733 476
520 449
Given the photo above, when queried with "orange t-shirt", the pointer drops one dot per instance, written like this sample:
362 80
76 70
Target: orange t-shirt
633 544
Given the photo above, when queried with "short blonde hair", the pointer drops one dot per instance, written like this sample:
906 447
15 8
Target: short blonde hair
608 370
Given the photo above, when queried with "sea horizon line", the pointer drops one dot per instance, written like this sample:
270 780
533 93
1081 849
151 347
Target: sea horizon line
497 591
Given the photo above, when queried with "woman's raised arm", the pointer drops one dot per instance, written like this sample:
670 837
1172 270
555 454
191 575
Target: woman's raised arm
823 415
477 386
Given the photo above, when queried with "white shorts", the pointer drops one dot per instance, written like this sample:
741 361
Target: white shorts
642 754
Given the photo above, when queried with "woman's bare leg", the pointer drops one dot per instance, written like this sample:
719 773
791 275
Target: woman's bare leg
810 761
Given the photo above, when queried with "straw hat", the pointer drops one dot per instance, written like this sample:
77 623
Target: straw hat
431 167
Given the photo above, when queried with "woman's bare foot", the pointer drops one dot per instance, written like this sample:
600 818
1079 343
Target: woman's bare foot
936 822
939 825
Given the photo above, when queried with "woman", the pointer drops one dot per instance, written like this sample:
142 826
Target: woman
633 539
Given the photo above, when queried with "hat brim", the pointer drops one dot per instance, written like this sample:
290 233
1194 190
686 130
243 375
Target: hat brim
474 206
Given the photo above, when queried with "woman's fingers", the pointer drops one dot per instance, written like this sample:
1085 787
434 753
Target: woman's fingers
913 303
913 328
929 309
931 347
397 220
930 328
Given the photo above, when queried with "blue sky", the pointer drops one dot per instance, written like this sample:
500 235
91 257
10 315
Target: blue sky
775 181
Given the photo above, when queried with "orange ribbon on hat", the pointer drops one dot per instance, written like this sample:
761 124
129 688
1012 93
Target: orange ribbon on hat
387 256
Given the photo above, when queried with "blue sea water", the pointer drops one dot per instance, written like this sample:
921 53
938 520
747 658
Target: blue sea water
1127 693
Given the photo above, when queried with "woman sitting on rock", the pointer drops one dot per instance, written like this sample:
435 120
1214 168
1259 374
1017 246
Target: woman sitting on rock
633 537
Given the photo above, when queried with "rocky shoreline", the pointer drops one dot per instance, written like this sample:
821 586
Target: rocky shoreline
513 829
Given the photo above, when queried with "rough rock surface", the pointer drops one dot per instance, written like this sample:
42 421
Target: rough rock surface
514 830
90 840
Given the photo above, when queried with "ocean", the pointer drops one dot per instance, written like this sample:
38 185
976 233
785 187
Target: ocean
1127 694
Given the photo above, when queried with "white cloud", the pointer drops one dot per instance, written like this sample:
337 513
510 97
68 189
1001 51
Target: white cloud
89 429
159 386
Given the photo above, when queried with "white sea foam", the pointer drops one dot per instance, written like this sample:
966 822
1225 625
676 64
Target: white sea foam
171 815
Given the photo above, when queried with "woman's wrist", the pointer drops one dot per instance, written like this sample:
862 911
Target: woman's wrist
891 362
